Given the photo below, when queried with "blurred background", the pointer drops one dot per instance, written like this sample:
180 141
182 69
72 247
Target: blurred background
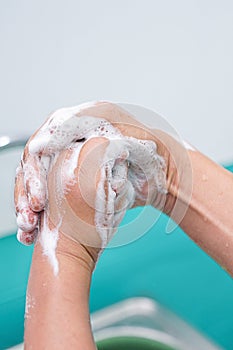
171 56
174 57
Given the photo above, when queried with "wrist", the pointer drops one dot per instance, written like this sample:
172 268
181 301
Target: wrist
83 256
178 173
172 184
64 247
58 304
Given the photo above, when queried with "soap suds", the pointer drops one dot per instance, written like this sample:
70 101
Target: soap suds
48 239
26 218
68 178
30 304
144 166
27 238
132 170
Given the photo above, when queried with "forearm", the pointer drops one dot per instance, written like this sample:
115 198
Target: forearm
57 311
208 219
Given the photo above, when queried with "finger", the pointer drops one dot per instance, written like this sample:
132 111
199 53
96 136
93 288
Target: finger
35 172
61 129
40 140
58 132
27 238
27 220
125 194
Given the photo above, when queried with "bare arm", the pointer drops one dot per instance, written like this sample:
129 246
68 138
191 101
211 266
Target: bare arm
209 218
57 310
59 315
60 303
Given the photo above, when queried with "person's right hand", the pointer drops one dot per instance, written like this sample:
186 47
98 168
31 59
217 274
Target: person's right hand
84 202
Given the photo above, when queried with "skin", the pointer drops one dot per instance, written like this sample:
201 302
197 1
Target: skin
175 156
199 197
59 317
208 220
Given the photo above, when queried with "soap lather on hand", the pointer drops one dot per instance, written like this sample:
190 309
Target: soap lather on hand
79 148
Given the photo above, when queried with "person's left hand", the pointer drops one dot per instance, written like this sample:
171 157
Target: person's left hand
31 182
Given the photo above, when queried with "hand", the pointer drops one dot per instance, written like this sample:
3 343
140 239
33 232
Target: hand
67 126
83 202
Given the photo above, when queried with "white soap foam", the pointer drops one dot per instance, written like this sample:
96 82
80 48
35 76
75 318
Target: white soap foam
140 164
48 239
30 304
26 238
35 177
26 219
64 127
106 217
144 166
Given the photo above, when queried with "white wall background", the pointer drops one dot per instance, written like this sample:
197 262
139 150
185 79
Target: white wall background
174 56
